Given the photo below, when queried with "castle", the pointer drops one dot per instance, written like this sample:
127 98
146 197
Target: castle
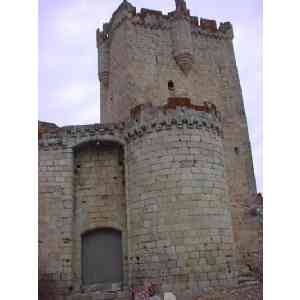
160 189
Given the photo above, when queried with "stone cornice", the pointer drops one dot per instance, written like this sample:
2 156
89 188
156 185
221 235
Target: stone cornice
156 20
72 136
178 113
148 119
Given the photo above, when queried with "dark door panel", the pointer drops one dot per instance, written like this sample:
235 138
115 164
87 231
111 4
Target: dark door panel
102 261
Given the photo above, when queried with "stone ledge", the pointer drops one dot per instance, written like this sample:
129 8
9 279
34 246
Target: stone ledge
155 19
177 113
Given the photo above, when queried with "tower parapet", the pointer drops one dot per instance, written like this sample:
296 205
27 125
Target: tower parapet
181 7
175 48
155 19
162 146
177 199
178 112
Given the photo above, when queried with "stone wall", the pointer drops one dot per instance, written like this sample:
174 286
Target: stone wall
238 159
143 53
178 206
167 193
59 230
55 220
143 59
99 196
166 169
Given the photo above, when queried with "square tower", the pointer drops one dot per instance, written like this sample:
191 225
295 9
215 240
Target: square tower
160 190
148 57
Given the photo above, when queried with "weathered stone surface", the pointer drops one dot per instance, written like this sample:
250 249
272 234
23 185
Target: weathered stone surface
155 298
169 296
170 166
151 49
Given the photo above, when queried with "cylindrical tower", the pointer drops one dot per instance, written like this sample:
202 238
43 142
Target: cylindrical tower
180 233
182 37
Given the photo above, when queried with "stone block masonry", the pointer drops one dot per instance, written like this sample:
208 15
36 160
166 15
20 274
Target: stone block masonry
55 217
147 50
159 178
99 196
168 173
180 219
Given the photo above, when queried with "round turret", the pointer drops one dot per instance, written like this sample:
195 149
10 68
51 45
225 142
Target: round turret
178 207
182 37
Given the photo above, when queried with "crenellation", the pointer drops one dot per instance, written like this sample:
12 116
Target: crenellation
168 170
150 12
226 28
194 21
209 25
156 20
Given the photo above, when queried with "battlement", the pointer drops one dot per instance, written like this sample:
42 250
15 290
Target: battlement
209 25
160 148
155 19
71 136
46 127
174 102
177 104
178 112
150 12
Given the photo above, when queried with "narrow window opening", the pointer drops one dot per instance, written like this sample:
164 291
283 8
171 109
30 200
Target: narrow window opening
236 150
220 69
171 85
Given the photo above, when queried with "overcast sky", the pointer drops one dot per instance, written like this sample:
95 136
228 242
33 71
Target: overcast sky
68 84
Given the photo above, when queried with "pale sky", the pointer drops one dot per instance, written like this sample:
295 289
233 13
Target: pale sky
68 84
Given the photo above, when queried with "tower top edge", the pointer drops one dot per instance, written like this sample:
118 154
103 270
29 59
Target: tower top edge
177 112
157 19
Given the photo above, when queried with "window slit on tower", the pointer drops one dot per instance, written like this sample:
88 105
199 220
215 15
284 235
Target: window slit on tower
171 85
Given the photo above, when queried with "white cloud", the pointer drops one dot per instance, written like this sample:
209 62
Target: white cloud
75 93
72 103
74 21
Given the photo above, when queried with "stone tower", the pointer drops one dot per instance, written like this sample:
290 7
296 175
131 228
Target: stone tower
159 190
149 57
